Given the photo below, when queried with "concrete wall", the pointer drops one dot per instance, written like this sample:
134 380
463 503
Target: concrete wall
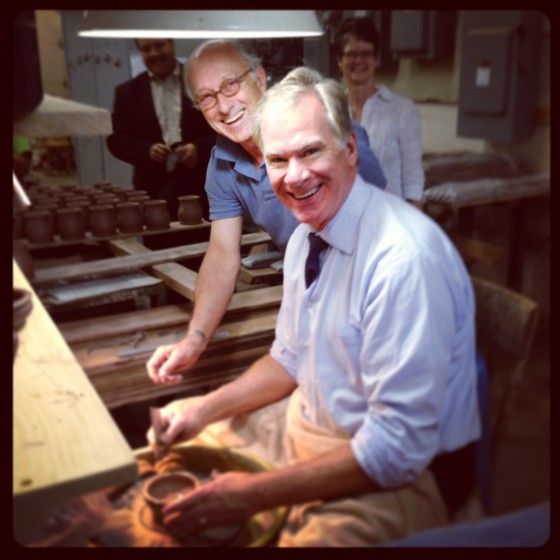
51 52
434 86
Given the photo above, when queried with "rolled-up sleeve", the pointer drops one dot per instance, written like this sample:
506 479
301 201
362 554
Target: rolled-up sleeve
405 362
221 196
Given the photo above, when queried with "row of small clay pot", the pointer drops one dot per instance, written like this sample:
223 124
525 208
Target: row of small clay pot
65 197
39 225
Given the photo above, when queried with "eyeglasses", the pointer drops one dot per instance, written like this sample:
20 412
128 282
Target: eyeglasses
352 55
209 99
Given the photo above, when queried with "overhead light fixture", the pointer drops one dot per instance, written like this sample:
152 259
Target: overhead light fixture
200 24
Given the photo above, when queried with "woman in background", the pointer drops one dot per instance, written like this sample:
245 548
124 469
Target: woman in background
392 122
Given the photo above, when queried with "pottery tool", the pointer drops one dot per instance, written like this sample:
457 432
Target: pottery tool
160 447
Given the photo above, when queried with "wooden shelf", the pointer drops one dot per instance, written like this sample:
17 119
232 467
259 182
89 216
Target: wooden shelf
89 238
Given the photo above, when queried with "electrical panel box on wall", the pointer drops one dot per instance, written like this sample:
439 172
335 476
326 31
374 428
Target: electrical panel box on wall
423 34
384 58
499 73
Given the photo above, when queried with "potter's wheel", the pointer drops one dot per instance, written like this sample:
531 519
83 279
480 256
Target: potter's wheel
133 525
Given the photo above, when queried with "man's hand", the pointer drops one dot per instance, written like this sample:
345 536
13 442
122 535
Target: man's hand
159 152
187 154
229 499
169 359
181 420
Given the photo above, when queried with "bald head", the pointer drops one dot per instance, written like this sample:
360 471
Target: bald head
218 49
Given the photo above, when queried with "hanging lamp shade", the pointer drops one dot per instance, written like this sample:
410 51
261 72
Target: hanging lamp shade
200 24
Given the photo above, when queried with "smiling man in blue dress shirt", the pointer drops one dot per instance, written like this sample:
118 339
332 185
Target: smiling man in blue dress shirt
376 355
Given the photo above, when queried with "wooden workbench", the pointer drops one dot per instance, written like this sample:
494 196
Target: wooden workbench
65 442
463 198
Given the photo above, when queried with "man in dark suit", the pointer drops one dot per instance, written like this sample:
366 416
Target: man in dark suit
158 131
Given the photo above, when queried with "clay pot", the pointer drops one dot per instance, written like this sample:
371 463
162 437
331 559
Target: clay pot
103 220
22 304
84 207
40 198
120 193
71 223
18 224
109 199
163 488
23 258
190 212
75 198
69 188
51 208
129 217
59 196
39 189
39 226
134 192
156 214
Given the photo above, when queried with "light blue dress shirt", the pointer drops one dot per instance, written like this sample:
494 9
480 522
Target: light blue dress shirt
382 344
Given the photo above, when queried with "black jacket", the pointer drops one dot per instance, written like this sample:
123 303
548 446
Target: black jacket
136 129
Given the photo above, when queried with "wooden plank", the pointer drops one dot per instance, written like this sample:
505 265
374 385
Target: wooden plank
133 262
256 299
118 370
165 317
175 276
79 292
465 194
467 166
65 443
250 276
136 386
94 357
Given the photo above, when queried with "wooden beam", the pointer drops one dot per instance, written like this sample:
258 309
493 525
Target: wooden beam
133 262
175 276
117 368
166 317
251 276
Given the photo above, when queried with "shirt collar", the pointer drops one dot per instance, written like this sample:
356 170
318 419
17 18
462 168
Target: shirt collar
175 74
342 231
231 151
385 93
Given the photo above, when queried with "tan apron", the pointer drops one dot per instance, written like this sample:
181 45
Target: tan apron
280 434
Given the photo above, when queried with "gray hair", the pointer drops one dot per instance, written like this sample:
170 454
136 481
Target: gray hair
304 80
253 61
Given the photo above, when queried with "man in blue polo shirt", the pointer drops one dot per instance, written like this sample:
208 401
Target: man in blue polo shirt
226 82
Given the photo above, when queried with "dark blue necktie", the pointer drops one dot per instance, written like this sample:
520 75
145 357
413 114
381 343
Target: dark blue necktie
316 247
